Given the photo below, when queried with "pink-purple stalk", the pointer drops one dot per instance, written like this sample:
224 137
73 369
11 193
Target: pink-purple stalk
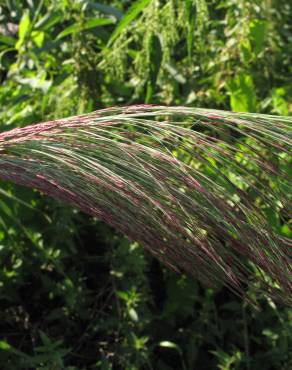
193 186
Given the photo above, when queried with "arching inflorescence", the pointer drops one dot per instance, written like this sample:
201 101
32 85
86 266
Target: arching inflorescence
193 186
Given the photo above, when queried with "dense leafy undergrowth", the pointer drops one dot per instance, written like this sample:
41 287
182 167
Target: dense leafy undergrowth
74 294
92 299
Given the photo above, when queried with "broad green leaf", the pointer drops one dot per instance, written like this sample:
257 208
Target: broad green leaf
257 34
10 41
23 30
242 93
246 52
136 8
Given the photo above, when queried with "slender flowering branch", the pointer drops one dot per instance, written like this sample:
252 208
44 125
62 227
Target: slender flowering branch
193 186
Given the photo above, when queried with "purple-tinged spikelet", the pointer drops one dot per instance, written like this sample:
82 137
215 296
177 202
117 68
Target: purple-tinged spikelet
193 186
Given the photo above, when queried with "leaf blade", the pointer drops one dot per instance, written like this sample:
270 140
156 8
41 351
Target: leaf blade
131 15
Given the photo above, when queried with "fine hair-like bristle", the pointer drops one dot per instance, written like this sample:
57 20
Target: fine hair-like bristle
193 186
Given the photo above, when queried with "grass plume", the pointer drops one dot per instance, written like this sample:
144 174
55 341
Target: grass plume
193 186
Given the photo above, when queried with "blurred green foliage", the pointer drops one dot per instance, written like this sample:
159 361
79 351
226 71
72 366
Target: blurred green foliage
74 294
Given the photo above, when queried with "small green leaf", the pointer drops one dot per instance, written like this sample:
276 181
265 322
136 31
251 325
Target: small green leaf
38 38
24 26
45 339
133 314
286 231
168 344
123 295
135 9
4 345
69 30
246 52
279 101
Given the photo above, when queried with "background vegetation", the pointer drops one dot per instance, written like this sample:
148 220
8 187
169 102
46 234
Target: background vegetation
74 294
